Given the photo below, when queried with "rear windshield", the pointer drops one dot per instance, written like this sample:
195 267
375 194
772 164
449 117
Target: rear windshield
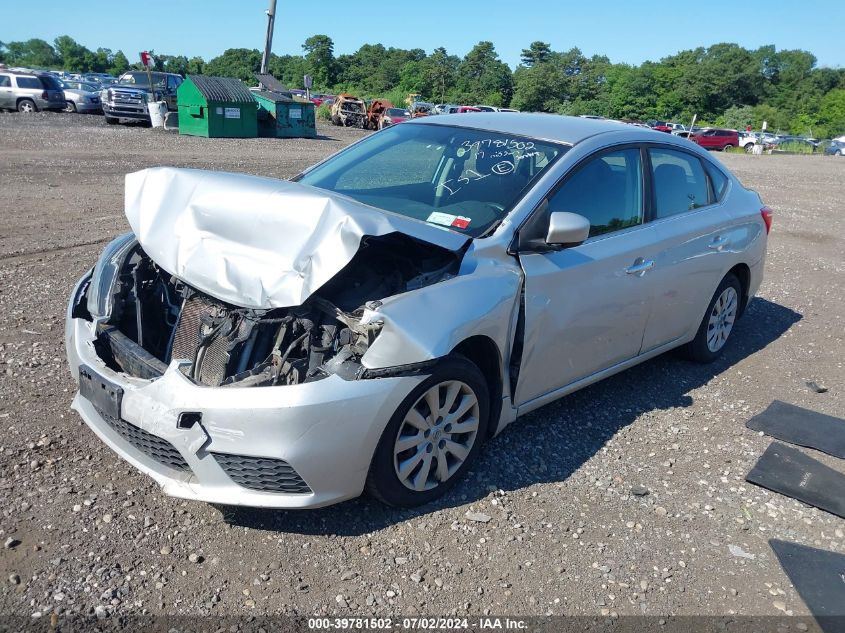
50 83
397 112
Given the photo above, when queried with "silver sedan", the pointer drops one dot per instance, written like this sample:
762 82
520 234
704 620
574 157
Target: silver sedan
370 324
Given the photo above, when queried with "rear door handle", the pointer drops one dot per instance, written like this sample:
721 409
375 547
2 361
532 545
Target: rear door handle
718 243
640 267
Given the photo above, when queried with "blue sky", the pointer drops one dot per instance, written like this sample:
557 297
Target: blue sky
630 32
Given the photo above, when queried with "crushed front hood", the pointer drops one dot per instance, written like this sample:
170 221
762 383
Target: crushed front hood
255 242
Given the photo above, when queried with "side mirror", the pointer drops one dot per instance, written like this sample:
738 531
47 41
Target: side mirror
567 229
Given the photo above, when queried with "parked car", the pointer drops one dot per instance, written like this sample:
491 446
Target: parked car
80 99
834 148
486 108
665 126
27 91
443 108
716 138
465 109
747 140
128 98
392 116
393 314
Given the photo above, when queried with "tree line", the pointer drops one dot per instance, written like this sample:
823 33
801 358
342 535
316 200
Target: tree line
724 84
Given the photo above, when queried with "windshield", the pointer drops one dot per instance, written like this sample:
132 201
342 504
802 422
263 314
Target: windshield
460 178
140 79
397 112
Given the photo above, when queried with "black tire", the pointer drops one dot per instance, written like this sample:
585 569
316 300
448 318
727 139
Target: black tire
727 148
838 152
698 350
112 120
749 147
383 482
27 105
70 106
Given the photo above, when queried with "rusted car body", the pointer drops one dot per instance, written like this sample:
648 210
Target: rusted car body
349 111
375 111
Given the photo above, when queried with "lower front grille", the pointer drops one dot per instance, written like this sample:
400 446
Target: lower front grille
152 446
262 473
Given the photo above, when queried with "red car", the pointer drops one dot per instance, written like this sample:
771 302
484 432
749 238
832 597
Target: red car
716 138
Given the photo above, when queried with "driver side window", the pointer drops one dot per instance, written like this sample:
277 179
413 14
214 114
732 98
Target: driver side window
607 190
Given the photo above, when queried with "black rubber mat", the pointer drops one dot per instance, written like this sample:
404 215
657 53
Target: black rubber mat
803 427
819 578
790 472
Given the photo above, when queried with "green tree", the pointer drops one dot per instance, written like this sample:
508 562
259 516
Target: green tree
319 53
481 76
34 53
536 53
242 63
119 64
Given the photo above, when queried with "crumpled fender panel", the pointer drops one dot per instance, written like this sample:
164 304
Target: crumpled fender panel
430 322
255 242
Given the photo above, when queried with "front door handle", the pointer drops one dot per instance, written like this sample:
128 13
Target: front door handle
718 243
640 267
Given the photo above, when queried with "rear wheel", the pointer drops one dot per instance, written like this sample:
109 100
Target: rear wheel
433 436
727 148
749 147
838 152
718 322
27 106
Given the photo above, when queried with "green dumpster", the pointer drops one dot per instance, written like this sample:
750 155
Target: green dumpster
216 107
282 116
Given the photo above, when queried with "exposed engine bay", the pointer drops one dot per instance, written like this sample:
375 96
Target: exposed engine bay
157 318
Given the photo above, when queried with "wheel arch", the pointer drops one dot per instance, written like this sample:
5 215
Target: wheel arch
485 354
743 273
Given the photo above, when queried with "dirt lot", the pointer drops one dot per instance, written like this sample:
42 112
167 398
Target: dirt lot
566 535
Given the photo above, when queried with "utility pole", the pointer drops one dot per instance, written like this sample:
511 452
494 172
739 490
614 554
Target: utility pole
268 43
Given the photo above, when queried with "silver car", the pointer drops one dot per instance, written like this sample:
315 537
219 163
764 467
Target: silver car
370 324
81 97
28 91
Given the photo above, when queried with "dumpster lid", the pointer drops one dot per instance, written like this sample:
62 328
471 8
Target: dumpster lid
222 88
271 83
278 97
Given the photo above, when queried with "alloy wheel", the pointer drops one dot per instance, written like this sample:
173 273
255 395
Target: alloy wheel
436 435
722 318
26 107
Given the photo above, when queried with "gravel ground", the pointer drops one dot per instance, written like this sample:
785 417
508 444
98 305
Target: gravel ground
545 524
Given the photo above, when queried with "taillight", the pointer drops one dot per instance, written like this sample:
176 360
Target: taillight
766 212
44 95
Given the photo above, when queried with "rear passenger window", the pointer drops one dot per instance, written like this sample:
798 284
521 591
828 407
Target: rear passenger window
679 182
5 82
29 82
718 180
607 191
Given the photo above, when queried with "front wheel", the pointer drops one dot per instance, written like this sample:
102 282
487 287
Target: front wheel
70 106
749 147
838 152
112 120
718 322
433 436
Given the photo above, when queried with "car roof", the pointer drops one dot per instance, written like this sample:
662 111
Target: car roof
550 127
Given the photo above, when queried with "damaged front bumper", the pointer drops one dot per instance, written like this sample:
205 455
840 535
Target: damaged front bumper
292 446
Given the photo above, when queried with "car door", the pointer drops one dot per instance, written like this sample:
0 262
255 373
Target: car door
694 242
586 306
7 99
